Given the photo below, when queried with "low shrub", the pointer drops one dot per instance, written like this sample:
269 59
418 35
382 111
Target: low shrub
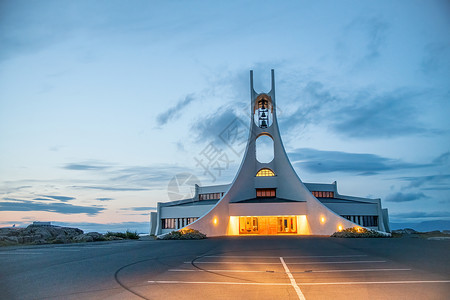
186 234
127 235
359 232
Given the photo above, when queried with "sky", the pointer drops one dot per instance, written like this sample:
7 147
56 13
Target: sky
108 107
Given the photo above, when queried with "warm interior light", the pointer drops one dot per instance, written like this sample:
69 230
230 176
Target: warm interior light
340 227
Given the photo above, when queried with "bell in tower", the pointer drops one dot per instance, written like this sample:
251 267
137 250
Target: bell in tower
263 113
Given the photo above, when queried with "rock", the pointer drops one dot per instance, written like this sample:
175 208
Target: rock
96 236
404 231
83 238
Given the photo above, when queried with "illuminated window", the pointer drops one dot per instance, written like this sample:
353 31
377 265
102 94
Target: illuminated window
210 196
323 194
265 173
176 223
265 193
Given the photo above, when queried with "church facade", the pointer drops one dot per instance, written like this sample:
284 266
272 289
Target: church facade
267 197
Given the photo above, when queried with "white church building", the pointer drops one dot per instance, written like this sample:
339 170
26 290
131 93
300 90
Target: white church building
268 197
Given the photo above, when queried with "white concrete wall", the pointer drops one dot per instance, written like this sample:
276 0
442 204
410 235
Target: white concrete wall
268 209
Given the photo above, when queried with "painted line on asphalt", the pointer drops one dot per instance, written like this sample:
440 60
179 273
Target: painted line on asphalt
216 282
303 283
233 262
222 271
20 253
291 263
377 282
338 262
298 272
356 270
277 257
293 283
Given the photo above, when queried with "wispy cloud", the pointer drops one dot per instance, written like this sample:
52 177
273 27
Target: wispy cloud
63 208
210 127
381 116
362 40
318 161
405 197
109 188
436 181
104 199
361 113
60 198
422 215
140 208
436 58
174 111
84 167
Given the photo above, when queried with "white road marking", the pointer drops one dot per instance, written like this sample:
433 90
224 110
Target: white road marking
237 271
216 282
293 283
277 257
357 270
271 271
338 262
292 263
303 283
20 253
378 282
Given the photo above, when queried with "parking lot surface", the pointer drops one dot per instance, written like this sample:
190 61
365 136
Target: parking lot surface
281 267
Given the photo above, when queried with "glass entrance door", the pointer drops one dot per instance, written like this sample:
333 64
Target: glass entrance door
266 225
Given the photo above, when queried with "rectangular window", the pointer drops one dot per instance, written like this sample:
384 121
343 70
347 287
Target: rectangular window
264 193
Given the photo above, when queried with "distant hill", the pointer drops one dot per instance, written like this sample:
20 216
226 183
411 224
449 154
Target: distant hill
423 226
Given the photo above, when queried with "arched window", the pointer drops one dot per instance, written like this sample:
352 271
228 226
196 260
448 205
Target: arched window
265 172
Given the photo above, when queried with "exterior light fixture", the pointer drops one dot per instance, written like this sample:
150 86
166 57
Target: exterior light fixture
322 220
340 227
215 221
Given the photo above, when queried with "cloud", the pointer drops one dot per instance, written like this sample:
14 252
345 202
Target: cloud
60 198
422 215
442 159
104 199
318 161
84 167
405 197
362 40
109 188
437 181
63 208
141 208
436 58
174 111
157 175
385 115
360 113
209 128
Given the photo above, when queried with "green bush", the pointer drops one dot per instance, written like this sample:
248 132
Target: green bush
186 234
359 232
127 235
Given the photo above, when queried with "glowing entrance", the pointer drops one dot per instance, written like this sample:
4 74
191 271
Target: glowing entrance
268 225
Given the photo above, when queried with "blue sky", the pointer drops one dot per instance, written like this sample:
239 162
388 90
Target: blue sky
103 103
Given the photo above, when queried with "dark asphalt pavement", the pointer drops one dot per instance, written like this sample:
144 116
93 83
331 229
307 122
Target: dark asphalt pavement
257 267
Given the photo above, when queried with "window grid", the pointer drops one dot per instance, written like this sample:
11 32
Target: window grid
265 193
265 173
323 194
176 223
210 196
